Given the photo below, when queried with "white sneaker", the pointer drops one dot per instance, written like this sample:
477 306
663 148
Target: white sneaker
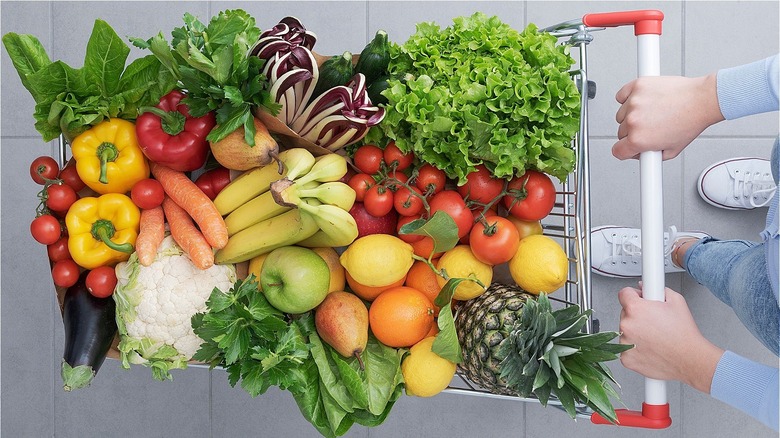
738 183
617 251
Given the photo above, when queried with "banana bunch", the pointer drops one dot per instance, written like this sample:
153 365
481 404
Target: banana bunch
304 205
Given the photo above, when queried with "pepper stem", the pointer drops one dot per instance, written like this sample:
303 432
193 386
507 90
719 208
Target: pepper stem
103 230
106 152
172 122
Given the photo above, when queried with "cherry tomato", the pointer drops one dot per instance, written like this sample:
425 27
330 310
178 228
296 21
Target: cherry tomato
65 273
368 158
531 197
59 197
360 183
101 281
43 168
378 200
395 180
59 250
481 186
147 193
213 181
71 177
46 229
408 238
495 244
407 203
392 155
430 180
450 202
526 228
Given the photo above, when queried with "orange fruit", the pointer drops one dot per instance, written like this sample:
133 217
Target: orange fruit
400 316
369 293
423 278
433 331
424 248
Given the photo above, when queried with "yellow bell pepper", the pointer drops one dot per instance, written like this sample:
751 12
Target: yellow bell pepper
108 157
102 231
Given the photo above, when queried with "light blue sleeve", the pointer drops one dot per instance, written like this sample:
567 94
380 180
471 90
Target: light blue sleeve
749 89
748 386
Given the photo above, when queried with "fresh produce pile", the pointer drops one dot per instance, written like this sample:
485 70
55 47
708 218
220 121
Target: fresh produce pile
229 203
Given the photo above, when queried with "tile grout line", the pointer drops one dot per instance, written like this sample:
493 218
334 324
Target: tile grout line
53 309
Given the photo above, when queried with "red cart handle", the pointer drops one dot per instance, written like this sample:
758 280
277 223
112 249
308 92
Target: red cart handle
647 21
651 417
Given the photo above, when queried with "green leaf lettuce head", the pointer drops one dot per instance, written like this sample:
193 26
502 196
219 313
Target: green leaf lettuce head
481 92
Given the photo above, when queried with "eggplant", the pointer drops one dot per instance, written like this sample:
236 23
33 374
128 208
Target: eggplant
90 327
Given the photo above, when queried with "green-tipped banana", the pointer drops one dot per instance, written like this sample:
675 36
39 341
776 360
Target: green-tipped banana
286 229
254 182
330 167
337 223
257 210
333 193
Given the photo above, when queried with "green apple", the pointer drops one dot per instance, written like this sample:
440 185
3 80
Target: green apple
294 279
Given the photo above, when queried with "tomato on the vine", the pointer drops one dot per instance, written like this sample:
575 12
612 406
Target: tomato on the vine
101 281
43 168
408 238
65 273
408 202
430 180
450 202
392 154
368 158
360 183
395 181
531 196
71 177
147 193
378 200
481 186
496 243
59 197
46 229
59 250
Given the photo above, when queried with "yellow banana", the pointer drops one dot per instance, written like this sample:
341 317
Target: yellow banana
288 228
333 193
257 210
253 182
339 226
330 167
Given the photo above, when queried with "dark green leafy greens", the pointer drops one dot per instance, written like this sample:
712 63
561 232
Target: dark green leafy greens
481 92
69 100
211 63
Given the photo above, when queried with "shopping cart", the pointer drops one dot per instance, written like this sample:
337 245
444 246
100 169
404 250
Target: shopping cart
570 219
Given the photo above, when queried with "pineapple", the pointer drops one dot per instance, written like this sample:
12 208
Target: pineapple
514 343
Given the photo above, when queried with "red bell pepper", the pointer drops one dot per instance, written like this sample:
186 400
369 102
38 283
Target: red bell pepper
168 135
213 181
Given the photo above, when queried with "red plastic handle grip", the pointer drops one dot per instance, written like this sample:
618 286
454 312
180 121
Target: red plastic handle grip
646 21
651 417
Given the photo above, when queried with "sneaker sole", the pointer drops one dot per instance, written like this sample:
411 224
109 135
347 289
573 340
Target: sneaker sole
704 172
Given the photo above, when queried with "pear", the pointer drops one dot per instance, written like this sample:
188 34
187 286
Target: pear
342 322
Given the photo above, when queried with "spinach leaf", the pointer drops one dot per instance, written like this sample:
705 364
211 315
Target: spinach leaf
28 57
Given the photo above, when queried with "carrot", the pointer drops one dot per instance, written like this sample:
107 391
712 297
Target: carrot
188 196
152 233
189 238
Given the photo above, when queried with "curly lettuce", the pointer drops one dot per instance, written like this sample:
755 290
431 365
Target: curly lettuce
481 92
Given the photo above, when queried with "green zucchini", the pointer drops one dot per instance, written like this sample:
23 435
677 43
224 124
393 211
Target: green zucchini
333 72
375 88
374 58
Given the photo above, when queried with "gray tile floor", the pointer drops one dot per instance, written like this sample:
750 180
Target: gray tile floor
699 37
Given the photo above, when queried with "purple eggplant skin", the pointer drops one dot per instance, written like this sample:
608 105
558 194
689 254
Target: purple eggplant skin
90 327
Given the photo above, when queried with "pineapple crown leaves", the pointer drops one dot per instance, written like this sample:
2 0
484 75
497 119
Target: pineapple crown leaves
547 353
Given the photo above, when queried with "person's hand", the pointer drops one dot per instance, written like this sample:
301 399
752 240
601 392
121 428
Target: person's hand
664 113
667 343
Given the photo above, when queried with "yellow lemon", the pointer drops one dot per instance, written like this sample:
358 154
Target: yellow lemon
377 259
460 262
425 372
255 266
539 265
331 257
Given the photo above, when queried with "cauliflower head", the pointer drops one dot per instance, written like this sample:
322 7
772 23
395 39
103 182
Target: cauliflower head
155 305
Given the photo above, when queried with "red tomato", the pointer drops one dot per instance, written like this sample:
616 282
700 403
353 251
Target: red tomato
147 193
408 238
481 186
430 180
213 181
392 155
71 177
368 158
59 197
360 183
531 196
378 200
59 250
495 244
43 168
450 202
395 180
65 273
101 281
407 203
46 229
